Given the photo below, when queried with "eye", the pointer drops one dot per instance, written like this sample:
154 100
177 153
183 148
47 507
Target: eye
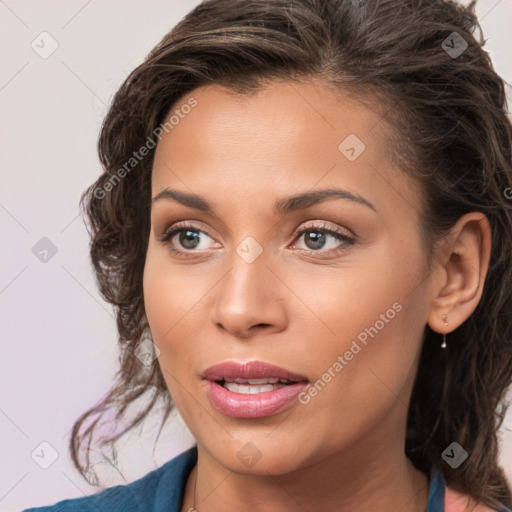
316 239
186 236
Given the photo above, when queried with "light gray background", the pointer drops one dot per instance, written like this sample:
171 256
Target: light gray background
58 337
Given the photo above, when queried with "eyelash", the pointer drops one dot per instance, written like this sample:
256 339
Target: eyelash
167 236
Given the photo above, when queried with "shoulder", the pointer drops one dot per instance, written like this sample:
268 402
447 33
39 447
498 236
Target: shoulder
458 502
162 486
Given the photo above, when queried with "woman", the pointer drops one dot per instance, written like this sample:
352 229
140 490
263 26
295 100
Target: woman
305 214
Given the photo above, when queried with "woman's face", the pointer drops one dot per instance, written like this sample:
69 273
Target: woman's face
240 283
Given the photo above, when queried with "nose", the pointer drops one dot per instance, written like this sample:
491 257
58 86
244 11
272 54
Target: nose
249 299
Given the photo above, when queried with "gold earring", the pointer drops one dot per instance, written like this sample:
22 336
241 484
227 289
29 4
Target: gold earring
443 344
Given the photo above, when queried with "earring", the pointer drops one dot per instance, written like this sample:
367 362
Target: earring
443 344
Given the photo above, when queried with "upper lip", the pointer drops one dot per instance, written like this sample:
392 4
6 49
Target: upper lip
250 370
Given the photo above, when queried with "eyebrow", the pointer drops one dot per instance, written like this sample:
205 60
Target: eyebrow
281 206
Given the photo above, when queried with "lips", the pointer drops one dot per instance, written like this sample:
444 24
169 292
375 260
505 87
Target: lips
252 390
241 373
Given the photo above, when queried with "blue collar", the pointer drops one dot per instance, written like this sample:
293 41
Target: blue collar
437 491
435 502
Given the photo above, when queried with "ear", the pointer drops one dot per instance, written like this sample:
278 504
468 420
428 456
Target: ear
463 263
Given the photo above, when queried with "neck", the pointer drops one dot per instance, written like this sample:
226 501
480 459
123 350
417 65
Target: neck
375 482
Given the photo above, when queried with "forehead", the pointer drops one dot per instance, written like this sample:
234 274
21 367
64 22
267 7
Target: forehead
287 136
278 116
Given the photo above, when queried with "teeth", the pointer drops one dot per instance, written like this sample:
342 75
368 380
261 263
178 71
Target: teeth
272 380
250 389
269 380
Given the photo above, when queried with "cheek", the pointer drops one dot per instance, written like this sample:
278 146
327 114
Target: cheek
373 315
166 300
171 293
159 301
171 303
174 298
348 300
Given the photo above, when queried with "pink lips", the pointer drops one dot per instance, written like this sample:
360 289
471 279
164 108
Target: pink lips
258 405
251 370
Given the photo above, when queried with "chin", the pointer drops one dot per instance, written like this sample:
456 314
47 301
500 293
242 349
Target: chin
261 456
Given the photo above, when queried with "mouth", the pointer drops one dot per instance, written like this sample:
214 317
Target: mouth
253 386
252 390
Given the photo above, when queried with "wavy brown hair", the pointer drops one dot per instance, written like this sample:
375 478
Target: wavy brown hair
450 130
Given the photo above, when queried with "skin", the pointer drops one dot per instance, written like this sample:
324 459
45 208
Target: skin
344 449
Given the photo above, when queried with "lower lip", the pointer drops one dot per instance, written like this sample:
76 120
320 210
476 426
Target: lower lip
258 405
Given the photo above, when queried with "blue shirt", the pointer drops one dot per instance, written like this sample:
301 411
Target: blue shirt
162 490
